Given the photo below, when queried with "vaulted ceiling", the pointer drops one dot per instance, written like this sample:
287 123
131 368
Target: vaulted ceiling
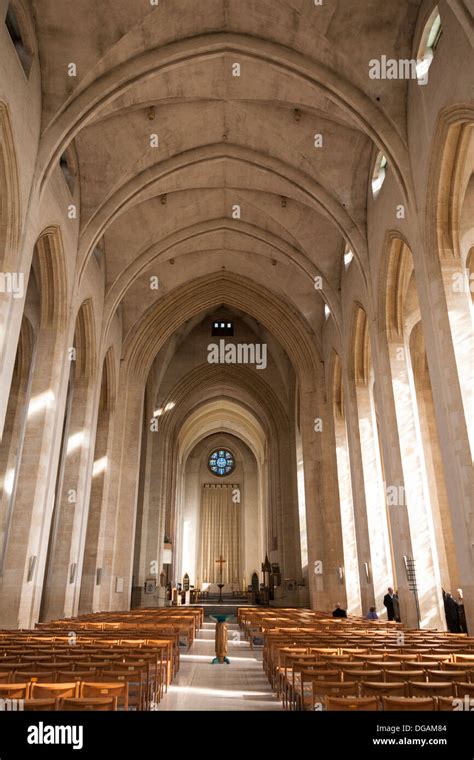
223 140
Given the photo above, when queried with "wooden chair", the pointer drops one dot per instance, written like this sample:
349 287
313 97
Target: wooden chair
446 675
14 690
6 676
387 665
447 704
369 658
53 690
345 667
35 675
55 666
295 688
108 704
463 688
391 704
32 659
376 689
392 676
352 704
464 658
467 666
31 705
15 667
323 689
102 689
432 689
405 658
364 675
131 678
84 674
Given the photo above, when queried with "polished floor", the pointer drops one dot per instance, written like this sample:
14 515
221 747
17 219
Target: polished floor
199 685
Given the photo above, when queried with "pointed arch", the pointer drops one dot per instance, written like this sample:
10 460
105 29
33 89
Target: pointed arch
52 281
360 346
10 212
85 340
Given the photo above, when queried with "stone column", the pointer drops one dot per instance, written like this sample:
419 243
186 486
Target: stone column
94 542
27 541
451 422
364 553
325 548
397 433
122 498
70 519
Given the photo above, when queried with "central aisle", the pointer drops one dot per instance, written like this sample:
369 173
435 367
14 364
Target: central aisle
242 685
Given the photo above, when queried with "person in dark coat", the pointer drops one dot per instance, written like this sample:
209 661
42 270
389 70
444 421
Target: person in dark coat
390 601
339 612
451 610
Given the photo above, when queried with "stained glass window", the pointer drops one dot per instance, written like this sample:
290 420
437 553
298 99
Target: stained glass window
221 462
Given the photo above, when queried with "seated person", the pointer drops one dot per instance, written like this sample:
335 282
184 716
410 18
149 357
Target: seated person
372 614
339 612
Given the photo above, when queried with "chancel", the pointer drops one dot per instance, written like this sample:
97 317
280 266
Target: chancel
236 343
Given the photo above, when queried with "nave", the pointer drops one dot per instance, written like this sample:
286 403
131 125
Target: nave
236 343
242 685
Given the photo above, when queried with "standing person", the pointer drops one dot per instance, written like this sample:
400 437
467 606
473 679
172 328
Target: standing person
388 603
339 612
451 610
462 615
396 607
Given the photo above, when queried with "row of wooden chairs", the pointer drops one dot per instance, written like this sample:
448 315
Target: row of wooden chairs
54 692
147 674
108 655
290 677
310 658
389 704
278 653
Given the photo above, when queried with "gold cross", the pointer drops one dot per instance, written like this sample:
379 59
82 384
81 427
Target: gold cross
221 561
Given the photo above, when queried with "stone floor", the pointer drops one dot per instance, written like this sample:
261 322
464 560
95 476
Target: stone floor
242 685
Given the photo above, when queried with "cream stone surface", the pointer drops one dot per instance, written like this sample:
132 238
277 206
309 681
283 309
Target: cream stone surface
163 168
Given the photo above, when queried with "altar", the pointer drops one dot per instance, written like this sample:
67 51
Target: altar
209 590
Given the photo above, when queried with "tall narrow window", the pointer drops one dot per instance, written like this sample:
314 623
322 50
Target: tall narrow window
429 41
379 174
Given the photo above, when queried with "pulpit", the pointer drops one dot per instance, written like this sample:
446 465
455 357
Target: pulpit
221 639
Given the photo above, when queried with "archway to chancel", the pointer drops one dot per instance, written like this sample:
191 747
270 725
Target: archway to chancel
195 407
221 515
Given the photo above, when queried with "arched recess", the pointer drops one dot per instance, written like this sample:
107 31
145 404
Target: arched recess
351 560
12 284
455 237
381 566
12 439
26 545
142 345
223 422
10 212
207 400
61 584
92 567
424 494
